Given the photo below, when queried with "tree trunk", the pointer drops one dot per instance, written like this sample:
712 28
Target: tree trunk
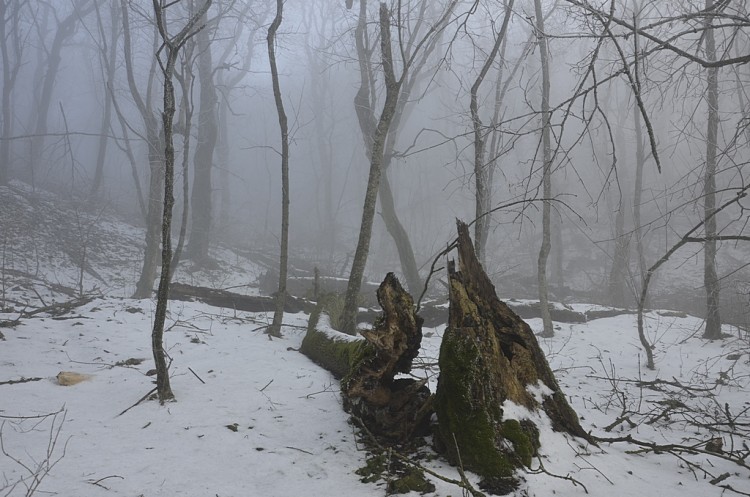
200 232
546 176
363 104
8 41
145 285
109 62
65 30
399 234
163 388
619 260
186 83
710 278
483 193
489 356
172 47
278 315
640 161
393 86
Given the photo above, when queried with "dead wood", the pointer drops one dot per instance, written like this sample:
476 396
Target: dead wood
21 380
489 356
392 409
231 300
60 308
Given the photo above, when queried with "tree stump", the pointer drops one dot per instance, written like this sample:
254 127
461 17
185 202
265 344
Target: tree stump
394 410
490 356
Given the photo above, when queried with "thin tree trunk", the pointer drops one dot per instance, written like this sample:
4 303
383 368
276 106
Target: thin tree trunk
546 176
364 106
278 315
619 259
163 388
109 60
393 86
10 72
640 161
65 29
145 285
483 187
710 278
398 233
171 47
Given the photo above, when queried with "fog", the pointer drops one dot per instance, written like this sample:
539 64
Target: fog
605 82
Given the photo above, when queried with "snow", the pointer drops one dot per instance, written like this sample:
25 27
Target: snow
292 437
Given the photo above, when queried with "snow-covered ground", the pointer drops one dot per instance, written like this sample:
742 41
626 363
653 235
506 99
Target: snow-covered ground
253 416
256 417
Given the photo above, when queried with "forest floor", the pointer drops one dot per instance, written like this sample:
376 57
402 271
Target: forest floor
253 416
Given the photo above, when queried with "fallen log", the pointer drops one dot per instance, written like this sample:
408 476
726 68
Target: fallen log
394 410
490 362
231 300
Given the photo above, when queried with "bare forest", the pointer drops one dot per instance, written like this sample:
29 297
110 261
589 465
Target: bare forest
507 241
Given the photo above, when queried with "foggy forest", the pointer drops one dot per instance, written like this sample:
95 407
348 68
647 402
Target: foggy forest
350 247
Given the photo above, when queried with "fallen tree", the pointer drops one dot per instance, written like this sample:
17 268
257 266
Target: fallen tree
392 409
231 300
493 374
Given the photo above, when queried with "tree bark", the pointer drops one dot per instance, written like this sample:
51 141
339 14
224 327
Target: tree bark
363 104
278 315
490 356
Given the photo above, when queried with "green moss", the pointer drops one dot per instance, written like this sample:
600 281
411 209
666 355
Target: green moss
525 440
413 480
337 356
471 425
464 422
373 469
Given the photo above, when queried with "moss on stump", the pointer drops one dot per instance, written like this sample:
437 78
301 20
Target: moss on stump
489 356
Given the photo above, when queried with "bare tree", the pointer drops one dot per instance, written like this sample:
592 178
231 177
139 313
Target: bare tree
278 315
11 51
65 29
145 285
364 104
167 55
546 174
393 87
200 232
108 55
481 168
710 278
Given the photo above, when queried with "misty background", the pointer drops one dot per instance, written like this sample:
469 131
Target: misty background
630 134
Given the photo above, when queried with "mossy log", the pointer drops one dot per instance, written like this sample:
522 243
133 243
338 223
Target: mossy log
330 349
394 410
489 356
